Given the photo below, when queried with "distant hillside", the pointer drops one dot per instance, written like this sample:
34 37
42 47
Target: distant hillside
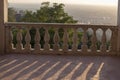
87 14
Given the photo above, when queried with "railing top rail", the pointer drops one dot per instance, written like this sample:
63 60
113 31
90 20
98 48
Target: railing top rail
55 25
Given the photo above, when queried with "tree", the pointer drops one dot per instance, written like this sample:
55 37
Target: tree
49 14
11 15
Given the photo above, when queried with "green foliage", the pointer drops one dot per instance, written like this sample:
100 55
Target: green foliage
89 42
49 14
14 32
42 34
51 32
29 17
70 40
11 15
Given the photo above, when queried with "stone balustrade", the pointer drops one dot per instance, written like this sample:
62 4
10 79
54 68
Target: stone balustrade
75 39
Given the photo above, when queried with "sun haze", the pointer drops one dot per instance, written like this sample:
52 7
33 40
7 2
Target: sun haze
88 2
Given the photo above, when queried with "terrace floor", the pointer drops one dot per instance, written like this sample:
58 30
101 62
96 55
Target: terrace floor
58 67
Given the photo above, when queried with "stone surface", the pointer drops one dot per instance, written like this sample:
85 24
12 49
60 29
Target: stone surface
3 19
57 67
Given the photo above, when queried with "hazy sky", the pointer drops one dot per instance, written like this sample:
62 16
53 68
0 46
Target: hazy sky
91 2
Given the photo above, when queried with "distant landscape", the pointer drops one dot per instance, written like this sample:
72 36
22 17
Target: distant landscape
85 14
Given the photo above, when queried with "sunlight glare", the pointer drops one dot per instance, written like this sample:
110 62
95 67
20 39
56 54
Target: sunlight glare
88 2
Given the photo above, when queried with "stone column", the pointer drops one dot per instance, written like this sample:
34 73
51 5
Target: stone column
118 17
3 19
118 24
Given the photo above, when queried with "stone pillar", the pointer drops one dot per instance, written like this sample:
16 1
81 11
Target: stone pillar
118 17
3 19
118 23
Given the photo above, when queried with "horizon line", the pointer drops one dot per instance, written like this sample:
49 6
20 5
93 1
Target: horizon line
69 4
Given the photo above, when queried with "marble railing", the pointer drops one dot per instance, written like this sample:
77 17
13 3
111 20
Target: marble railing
76 39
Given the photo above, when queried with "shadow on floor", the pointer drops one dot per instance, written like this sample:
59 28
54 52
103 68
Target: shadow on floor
48 67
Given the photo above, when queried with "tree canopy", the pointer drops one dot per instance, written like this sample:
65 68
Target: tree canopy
49 14
11 15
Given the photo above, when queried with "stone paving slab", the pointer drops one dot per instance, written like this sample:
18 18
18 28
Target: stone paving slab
58 67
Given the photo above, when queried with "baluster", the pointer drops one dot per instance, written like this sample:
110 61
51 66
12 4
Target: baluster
56 40
65 40
46 38
94 41
113 40
111 48
84 41
37 40
9 39
19 45
75 40
103 46
27 40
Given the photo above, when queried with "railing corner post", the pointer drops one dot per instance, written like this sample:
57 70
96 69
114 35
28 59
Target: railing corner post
118 25
3 19
118 41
